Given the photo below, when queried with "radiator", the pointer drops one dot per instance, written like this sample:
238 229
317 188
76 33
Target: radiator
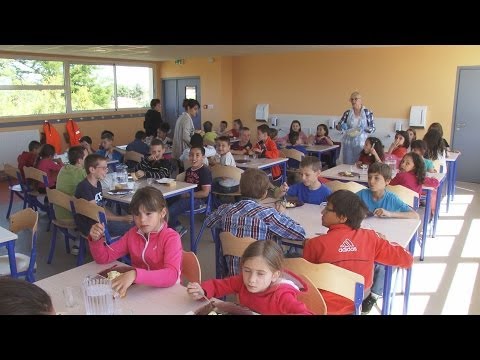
12 143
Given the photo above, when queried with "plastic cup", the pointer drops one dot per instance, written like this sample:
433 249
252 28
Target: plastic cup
71 295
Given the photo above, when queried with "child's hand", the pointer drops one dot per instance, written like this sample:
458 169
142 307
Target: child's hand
127 218
373 152
195 291
284 187
358 164
152 158
139 174
123 282
380 212
280 206
97 231
257 150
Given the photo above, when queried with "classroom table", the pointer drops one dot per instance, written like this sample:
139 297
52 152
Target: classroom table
318 150
451 158
140 299
247 162
7 239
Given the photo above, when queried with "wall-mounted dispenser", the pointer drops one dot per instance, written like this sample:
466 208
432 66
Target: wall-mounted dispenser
418 116
274 121
331 123
398 126
261 113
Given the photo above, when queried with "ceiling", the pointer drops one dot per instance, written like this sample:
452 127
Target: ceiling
163 52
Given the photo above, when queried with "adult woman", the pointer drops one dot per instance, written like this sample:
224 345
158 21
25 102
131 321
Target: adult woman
357 124
184 128
153 118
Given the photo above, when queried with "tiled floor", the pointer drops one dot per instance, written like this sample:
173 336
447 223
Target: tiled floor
447 282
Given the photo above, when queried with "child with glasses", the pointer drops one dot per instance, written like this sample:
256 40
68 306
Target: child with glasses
348 246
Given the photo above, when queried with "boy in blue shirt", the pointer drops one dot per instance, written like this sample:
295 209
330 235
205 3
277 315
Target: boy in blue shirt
310 190
381 203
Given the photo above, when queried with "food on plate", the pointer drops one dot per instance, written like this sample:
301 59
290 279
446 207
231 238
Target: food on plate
347 173
212 313
113 275
289 204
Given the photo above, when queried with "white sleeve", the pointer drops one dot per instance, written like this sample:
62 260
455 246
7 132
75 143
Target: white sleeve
209 151
229 160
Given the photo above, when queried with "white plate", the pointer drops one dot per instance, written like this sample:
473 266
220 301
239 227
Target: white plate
165 181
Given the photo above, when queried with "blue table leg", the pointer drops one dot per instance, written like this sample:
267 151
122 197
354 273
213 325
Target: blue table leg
192 222
454 178
406 296
11 258
426 217
284 166
216 240
387 285
449 183
437 208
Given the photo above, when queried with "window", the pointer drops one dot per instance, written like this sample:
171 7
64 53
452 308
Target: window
33 87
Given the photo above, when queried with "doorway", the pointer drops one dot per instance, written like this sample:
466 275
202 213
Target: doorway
174 91
466 126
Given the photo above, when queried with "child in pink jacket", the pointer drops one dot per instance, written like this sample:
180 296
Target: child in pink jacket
154 248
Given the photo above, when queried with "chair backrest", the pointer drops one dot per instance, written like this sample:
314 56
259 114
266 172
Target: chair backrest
339 185
311 297
180 177
11 171
226 171
86 208
191 270
132 156
56 197
408 196
292 154
233 245
35 174
331 278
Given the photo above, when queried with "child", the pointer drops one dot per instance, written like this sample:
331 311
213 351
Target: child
343 215
19 297
243 146
310 190
412 135
197 174
138 144
249 218
295 126
51 167
420 147
266 148
162 133
372 152
400 146
197 141
210 136
91 190
108 150
235 132
28 158
263 286
436 150
294 140
273 133
155 249
437 126
223 150
86 143
154 165
321 137
223 128
381 203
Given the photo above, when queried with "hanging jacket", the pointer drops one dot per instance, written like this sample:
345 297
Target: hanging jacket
52 137
73 132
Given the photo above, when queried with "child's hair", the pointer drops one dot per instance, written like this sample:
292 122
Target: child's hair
406 141
34 144
108 132
239 122
324 127
190 103
348 204
87 139
419 167
263 128
150 198
19 297
46 151
244 128
207 126
293 122
140 135
92 160
107 135
268 250
165 127
312 161
225 139
414 134
224 123
377 145
293 137
157 142
272 133
154 103
200 147
437 126
75 153
254 183
419 144
435 146
382 169
196 140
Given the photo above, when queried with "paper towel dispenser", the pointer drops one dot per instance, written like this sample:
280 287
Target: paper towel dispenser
261 113
418 116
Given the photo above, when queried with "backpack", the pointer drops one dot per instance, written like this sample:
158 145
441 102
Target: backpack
52 137
73 132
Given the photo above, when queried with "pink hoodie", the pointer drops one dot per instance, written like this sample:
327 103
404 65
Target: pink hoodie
157 259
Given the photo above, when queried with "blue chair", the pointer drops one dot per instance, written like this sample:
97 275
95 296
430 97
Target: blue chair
32 194
14 176
26 219
331 278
